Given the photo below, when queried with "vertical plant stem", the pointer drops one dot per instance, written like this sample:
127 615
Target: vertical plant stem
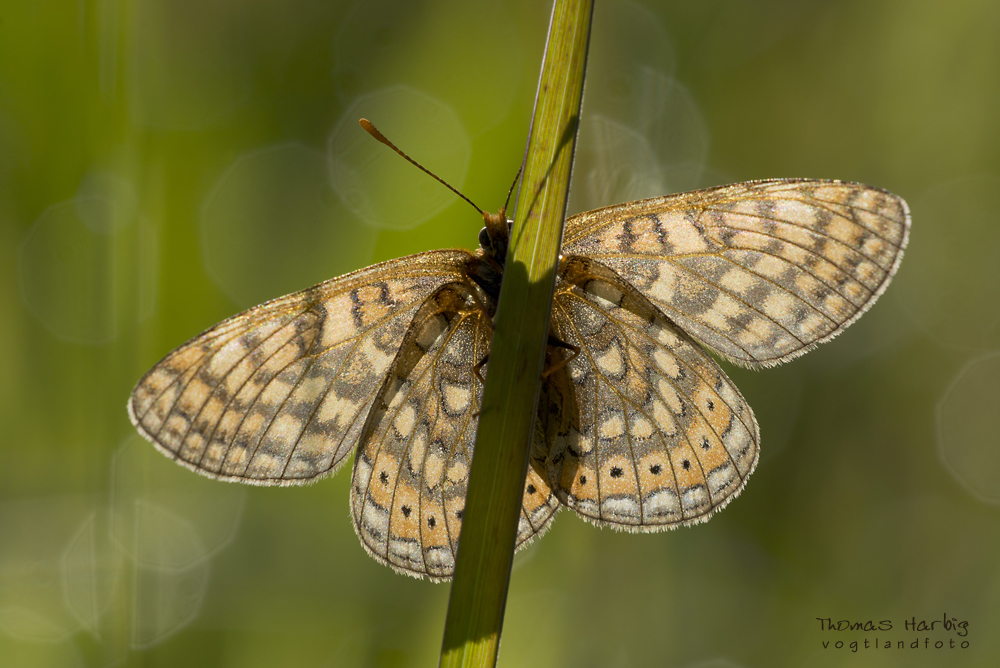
496 485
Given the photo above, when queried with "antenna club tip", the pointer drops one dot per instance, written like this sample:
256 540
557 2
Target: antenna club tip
370 128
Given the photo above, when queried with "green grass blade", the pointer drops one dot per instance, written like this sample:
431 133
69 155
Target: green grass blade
479 591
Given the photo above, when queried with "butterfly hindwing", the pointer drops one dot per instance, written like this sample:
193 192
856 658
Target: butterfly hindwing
761 271
412 468
660 437
278 394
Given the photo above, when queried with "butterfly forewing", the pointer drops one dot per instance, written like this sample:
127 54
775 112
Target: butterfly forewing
412 468
759 272
662 437
279 393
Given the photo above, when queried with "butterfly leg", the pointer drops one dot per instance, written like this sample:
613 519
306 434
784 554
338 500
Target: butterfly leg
476 369
553 341
479 303
556 342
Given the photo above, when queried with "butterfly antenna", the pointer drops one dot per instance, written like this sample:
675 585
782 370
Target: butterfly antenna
511 191
373 131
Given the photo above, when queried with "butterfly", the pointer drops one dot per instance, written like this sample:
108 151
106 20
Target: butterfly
638 427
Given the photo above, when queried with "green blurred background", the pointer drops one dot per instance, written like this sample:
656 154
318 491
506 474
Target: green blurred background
165 163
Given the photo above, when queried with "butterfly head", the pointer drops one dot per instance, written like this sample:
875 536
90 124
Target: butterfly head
495 235
494 238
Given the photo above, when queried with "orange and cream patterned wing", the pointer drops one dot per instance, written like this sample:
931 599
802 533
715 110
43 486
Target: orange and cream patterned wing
411 472
279 394
760 272
659 437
